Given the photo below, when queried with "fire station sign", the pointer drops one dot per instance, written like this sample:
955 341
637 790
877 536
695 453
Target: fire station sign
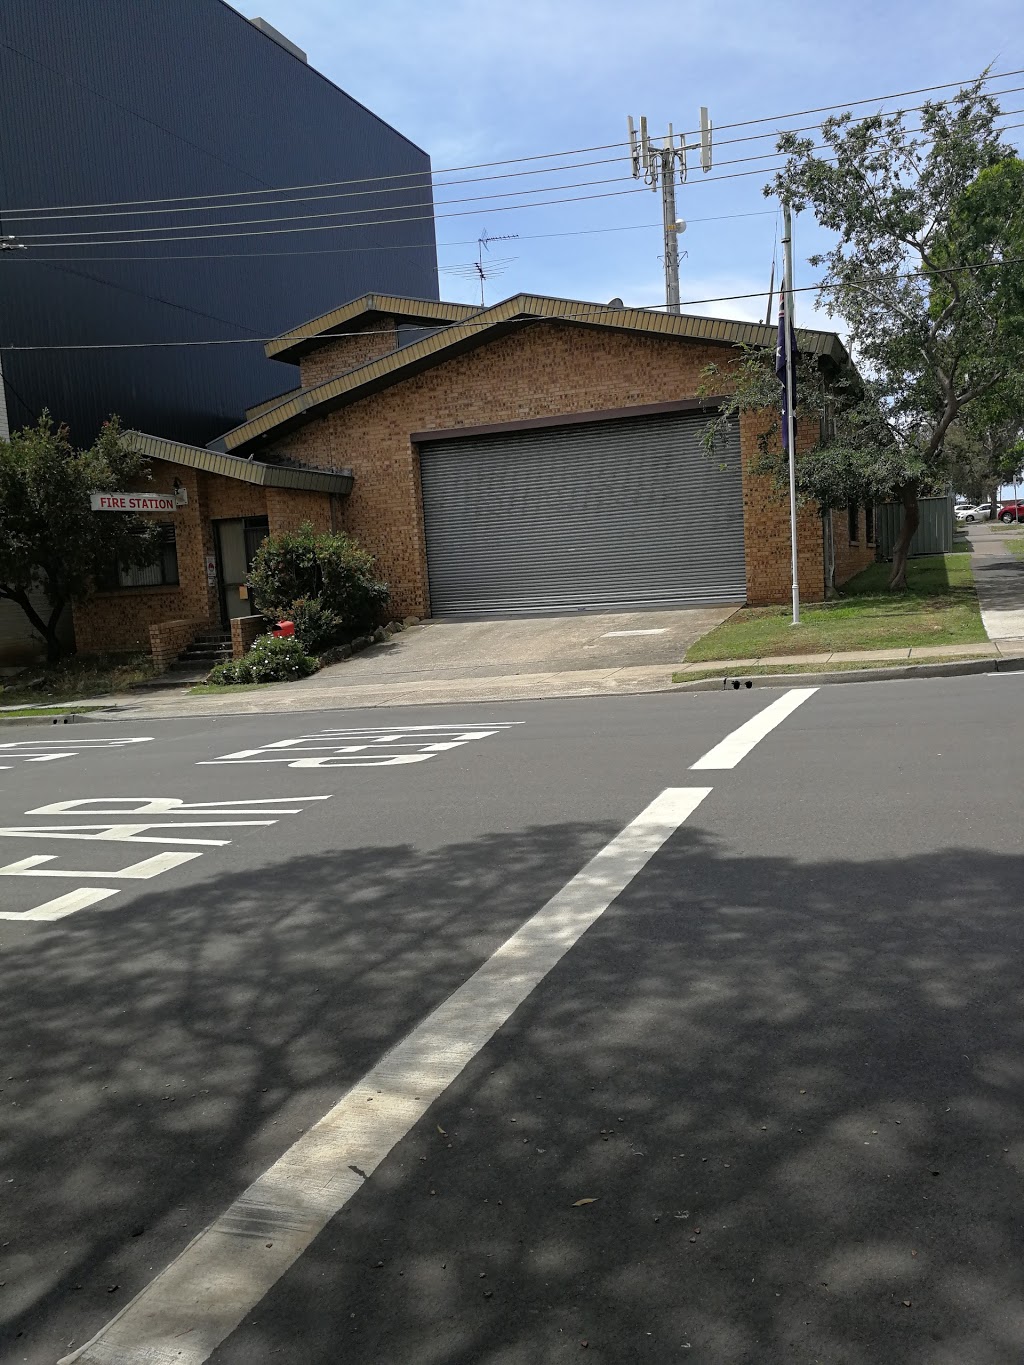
135 502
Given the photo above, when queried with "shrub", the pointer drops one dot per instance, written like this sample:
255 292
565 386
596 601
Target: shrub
328 574
270 660
315 624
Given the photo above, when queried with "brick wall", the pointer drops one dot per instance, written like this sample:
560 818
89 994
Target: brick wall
538 370
120 620
766 527
340 354
288 508
851 556
169 638
245 629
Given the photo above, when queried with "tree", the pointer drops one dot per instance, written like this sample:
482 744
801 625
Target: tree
50 539
928 274
981 456
852 459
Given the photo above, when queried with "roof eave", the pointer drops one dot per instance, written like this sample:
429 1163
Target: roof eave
296 477
292 345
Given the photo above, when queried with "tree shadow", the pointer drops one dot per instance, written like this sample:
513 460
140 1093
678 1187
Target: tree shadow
818 1064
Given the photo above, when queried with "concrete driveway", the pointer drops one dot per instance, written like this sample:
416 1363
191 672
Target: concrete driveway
443 650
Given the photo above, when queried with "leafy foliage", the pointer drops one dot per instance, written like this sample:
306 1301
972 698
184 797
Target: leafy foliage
323 582
49 536
270 660
928 272
315 624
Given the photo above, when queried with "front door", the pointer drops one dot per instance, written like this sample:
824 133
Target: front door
237 543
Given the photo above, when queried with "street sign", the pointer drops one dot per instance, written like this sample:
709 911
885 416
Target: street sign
133 502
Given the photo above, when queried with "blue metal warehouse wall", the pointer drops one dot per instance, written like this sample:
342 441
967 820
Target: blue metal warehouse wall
115 100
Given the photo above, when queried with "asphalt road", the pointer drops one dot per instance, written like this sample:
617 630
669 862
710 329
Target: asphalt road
786 1063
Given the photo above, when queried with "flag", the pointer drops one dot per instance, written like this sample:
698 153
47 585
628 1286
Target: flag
780 362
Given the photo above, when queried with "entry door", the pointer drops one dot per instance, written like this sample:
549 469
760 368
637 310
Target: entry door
627 513
237 543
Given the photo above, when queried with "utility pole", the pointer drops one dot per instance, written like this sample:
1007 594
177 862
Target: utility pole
658 164
788 332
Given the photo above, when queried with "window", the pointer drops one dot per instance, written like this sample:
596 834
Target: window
853 514
162 572
869 523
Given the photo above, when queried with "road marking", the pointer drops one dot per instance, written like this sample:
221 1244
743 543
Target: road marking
741 741
64 905
613 634
353 748
173 805
140 871
203 1295
47 750
123 834
133 832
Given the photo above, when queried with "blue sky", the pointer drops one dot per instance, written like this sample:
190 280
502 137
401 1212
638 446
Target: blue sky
482 82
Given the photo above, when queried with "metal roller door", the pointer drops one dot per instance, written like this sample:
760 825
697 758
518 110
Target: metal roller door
625 513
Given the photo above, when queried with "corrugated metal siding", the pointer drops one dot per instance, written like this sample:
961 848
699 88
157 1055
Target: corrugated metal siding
630 512
202 103
19 642
934 536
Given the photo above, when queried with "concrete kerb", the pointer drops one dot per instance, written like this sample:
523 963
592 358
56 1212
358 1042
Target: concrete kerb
851 675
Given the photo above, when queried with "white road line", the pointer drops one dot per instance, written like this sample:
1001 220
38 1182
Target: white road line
741 741
141 871
193 1305
63 905
613 634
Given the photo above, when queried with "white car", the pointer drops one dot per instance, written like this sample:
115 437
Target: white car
969 512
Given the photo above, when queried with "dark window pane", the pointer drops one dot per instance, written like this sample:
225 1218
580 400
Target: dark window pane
869 523
853 514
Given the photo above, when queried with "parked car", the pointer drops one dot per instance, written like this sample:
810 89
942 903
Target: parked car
970 512
1011 511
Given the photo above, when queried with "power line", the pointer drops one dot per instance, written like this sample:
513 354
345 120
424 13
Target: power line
305 217
588 312
398 246
487 165
50 216
409 218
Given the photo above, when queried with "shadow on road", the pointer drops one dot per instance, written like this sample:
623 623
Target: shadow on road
794 1089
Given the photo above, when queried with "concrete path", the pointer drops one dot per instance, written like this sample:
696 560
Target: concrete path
999 578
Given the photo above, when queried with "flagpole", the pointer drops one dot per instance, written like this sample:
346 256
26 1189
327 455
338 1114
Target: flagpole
788 332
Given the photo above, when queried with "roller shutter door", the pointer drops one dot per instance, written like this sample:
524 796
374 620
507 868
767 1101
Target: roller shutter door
625 513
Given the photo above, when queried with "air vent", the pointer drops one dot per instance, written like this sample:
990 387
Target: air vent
279 38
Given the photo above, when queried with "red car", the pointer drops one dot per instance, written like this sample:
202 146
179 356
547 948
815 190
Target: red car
1011 511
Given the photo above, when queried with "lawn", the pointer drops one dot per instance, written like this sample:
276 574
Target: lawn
1016 546
78 676
939 608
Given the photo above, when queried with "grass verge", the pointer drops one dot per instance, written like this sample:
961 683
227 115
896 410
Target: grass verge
940 607
1016 547
80 676
742 670
25 712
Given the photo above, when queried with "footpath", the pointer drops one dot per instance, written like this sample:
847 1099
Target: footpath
287 698
999 577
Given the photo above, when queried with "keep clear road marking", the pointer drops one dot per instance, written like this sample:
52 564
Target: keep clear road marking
60 906
203 1295
737 745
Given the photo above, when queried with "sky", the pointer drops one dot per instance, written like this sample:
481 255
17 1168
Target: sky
484 82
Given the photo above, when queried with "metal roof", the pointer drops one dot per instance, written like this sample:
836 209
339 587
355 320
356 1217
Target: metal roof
291 345
299 477
475 326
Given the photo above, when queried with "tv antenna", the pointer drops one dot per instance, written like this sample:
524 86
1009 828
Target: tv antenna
486 266
658 163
